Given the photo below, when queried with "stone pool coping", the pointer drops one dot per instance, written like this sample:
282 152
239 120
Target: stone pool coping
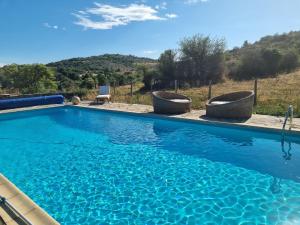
23 204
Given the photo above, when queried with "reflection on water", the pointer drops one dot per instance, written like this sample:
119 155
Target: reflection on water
264 152
286 154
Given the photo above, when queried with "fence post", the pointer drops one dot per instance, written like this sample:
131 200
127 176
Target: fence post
255 92
176 86
209 89
131 88
114 87
114 90
151 85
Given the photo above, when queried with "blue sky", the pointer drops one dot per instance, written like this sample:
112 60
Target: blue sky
41 31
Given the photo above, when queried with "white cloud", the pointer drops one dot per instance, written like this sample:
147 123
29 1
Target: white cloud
191 2
171 15
109 16
55 27
2 64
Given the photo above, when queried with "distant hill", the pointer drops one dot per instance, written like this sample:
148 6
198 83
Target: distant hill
271 55
97 64
282 42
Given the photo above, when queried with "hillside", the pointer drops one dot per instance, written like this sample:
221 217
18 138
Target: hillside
282 42
97 64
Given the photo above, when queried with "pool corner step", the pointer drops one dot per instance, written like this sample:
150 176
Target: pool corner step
17 201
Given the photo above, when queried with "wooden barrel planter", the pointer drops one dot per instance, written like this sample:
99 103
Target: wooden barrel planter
170 103
235 105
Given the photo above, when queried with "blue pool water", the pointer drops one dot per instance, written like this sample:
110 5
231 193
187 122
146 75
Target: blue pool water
92 167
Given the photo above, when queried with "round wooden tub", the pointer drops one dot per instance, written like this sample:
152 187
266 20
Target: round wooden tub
235 105
170 103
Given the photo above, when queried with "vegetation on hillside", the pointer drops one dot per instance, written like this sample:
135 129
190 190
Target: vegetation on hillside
28 79
200 60
73 75
267 57
97 70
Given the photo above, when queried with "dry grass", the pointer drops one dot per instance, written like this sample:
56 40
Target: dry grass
274 94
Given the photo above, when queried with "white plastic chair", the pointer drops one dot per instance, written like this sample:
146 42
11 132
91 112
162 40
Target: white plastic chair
104 94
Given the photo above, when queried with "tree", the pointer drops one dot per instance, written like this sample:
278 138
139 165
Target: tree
251 65
246 44
89 81
258 63
202 59
167 66
29 79
149 77
102 79
289 62
66 84
35 78
7 74
271 58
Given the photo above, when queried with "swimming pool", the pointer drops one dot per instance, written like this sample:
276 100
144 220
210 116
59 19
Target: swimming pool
88 166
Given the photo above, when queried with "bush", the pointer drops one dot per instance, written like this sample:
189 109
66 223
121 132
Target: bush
251 65
259 63
147 80
271 60
289 62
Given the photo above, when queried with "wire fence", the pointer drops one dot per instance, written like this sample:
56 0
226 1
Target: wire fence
273 95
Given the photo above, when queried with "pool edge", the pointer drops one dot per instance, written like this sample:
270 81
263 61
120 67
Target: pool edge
246 126
24 205
200 121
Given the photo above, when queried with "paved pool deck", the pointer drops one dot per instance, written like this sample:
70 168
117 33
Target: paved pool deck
23 204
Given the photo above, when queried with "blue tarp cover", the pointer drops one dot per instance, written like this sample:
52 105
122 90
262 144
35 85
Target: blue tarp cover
12 103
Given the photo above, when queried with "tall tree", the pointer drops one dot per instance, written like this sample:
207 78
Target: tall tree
167 66
204 58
